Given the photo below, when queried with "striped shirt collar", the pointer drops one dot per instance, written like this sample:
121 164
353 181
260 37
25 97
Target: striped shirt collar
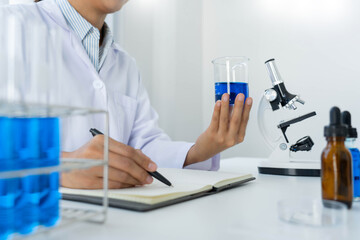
83 28
75 20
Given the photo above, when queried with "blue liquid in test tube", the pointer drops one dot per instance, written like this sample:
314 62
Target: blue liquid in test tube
7 186
28 205
7 207
355 154
49 156
350 143
234 88
49 203
26 150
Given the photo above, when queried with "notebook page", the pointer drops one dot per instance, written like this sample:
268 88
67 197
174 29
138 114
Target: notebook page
184 181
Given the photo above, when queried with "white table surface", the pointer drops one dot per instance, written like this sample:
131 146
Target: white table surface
246 212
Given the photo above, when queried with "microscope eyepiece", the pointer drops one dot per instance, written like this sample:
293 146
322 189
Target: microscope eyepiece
286 99
273 72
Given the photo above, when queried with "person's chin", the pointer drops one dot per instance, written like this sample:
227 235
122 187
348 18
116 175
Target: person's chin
114 6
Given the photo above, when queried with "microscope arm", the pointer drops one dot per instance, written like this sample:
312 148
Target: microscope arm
263 108
284 125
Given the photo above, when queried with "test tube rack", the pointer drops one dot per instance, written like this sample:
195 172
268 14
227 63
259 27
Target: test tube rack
70 212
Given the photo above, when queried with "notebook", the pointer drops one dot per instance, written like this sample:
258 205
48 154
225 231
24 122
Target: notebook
187 184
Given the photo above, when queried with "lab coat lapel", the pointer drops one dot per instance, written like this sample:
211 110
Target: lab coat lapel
108 63
52 9
80 50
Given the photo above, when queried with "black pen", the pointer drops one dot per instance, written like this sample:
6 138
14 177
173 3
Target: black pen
155 174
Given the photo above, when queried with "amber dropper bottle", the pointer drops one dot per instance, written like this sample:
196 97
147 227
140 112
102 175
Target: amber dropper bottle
336 168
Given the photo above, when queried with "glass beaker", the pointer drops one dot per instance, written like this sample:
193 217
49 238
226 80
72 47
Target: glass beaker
231 76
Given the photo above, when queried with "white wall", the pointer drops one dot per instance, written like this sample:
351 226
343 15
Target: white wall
315 44
164 36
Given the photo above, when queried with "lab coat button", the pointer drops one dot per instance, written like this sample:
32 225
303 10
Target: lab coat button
98 84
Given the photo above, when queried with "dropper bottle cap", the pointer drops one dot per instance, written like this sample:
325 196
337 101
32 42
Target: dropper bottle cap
335 128
346 119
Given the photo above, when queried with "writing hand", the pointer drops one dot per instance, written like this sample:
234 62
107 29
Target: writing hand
127 166
225 130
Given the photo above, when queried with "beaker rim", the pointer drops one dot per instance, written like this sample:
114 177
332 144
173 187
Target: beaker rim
222 60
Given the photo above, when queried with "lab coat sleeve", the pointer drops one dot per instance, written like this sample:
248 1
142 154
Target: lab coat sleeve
147 136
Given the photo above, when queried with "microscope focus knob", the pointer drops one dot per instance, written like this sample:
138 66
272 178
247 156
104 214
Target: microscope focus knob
270 94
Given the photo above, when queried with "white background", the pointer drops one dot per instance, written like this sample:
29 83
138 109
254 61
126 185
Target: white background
315 44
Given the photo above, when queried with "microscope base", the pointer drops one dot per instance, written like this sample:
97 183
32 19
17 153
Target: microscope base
310 169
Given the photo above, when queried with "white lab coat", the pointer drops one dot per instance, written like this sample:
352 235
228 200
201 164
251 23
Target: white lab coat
117 88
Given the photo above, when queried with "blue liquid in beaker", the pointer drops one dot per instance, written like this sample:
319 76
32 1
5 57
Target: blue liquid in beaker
355 154
234 87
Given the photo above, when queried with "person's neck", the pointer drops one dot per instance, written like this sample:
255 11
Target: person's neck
91 15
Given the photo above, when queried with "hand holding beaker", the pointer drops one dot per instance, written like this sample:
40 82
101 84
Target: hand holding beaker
225 130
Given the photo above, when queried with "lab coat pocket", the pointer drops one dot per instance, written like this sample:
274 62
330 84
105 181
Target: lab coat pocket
126 113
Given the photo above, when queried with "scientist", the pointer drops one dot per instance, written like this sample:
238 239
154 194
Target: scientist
105 77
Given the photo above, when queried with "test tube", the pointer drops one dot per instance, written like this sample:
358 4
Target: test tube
26 139
3 63
49 156
6 199
42 62
33 133
25 127
7 191
10 188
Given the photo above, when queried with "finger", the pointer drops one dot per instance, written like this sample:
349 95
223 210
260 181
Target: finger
236 116
122 177
245 119
117 185
116 175
144 161
224 113
231 107
131 153
81 180
129 166
123 150
214 125
98 183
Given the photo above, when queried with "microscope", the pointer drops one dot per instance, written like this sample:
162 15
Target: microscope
281 160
